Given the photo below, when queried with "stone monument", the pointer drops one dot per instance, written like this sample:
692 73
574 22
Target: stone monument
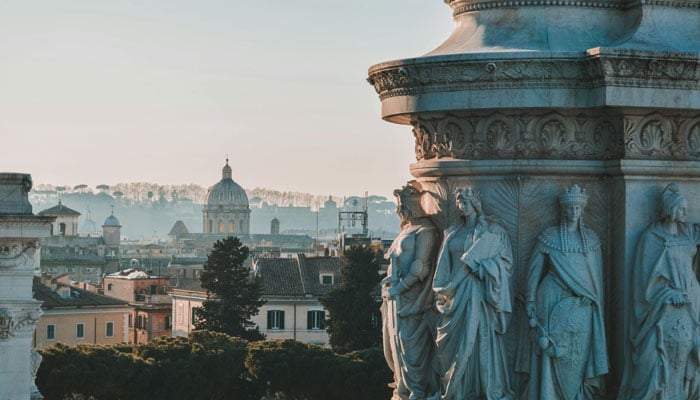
527 98
19 258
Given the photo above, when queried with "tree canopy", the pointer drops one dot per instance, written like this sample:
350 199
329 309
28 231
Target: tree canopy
233 295
353 321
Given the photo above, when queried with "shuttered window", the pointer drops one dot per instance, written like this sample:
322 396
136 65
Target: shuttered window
275 319
315 319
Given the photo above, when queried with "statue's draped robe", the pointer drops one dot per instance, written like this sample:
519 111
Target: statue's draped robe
474 305
664 360
574 272
408 346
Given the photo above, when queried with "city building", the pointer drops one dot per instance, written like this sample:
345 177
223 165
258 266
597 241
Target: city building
148 296
291 288
85 258
73 315
226 210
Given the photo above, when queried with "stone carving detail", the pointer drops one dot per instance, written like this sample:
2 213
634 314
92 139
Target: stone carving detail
472 290
12 323
12 255
566 354
498 135
610 67
664 329
472 74
6 323
408 300
557 135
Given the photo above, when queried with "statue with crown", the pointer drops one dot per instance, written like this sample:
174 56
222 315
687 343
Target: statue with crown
564 353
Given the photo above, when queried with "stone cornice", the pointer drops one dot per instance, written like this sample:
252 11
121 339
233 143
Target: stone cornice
609 67
445 75
461 7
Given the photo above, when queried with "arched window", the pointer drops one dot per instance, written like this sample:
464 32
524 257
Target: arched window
221 226
62 228
211 226
230 227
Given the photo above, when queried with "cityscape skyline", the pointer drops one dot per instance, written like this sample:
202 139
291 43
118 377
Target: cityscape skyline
163 92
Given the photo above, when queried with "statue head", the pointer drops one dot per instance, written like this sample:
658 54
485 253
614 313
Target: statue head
572 203
673 204
469 201
408 202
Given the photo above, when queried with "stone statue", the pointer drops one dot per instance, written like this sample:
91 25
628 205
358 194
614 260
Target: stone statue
664 324
473 300
408 305
566 355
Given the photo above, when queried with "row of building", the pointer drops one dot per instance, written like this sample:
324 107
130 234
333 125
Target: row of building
97 289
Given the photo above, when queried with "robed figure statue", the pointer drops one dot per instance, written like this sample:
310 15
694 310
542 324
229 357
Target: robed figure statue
664 327
472 290
408 305
566 355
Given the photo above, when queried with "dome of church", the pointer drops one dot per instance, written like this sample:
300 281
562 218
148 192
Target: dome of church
227 192
111 221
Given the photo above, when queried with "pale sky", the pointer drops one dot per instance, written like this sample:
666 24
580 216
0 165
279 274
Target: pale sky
98 91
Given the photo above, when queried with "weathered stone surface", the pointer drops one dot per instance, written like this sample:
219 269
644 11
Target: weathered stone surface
526 98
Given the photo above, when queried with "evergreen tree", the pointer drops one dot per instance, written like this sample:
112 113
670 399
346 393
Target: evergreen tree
233 295
354 313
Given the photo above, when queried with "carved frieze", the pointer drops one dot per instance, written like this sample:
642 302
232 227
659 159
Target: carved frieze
14 254
518 135
607 68
557 135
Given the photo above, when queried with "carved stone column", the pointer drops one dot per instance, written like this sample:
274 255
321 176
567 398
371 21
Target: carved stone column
19 258
526 98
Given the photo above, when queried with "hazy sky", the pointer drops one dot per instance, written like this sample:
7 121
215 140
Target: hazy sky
100 91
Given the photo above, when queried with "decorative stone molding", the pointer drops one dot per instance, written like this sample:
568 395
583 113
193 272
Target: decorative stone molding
600 68
550 135
14 254
13 322
470 74
566 134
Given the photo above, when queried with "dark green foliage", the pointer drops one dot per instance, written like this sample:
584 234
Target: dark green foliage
308 372
233 295
104 372
206 365
352 324
209 365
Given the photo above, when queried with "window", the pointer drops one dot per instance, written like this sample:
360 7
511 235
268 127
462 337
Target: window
221 227
109 286
131 322
140 321
80 330
154 289
51 332
275 319
316 320
70 270
168 323
195 315
326 279
109 329
62 228
230 226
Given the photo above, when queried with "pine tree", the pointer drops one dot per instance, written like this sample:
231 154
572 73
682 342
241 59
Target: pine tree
233 295
354 313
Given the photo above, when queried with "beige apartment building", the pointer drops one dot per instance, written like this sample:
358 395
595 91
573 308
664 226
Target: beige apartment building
72 315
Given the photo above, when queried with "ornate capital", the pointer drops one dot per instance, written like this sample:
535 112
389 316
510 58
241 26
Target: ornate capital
14 322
